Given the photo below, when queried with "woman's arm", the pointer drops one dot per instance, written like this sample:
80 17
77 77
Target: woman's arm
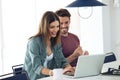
36 57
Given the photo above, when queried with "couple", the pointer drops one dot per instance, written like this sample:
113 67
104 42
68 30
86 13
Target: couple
52 47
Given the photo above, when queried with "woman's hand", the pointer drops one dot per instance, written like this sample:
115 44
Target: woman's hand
68 70
50 72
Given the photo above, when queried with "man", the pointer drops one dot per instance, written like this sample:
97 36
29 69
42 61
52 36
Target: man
70 42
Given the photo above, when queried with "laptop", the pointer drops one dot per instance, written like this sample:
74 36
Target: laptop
88 65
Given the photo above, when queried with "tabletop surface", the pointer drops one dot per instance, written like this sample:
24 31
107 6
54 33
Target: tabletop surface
114 64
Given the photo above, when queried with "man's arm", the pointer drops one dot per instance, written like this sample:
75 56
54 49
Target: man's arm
75 54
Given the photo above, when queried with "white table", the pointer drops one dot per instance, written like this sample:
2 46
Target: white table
113 64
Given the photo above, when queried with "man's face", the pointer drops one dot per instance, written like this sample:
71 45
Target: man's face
64 25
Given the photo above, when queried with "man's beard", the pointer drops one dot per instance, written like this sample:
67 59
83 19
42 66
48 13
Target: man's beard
64 30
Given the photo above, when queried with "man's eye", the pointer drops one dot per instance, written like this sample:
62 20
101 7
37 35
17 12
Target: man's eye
66 23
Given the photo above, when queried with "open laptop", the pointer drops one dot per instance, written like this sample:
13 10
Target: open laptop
88 65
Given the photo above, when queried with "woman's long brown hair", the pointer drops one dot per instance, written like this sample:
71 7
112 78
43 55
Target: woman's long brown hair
48 17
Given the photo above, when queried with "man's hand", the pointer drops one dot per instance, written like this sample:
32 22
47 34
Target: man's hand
86 53
78 51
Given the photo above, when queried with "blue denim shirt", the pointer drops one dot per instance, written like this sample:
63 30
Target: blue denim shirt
36 55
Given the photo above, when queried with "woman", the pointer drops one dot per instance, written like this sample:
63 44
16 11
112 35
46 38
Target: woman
44 51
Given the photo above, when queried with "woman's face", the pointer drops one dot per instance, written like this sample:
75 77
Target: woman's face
54 28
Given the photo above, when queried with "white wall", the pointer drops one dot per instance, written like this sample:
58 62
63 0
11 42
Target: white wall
111 25
107 27
1 68
92 32
115 24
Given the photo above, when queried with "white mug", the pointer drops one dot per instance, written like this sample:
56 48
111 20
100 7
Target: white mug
57 74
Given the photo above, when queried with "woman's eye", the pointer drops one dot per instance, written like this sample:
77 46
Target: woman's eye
51 26
58 26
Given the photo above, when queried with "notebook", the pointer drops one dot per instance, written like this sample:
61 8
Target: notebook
88 65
